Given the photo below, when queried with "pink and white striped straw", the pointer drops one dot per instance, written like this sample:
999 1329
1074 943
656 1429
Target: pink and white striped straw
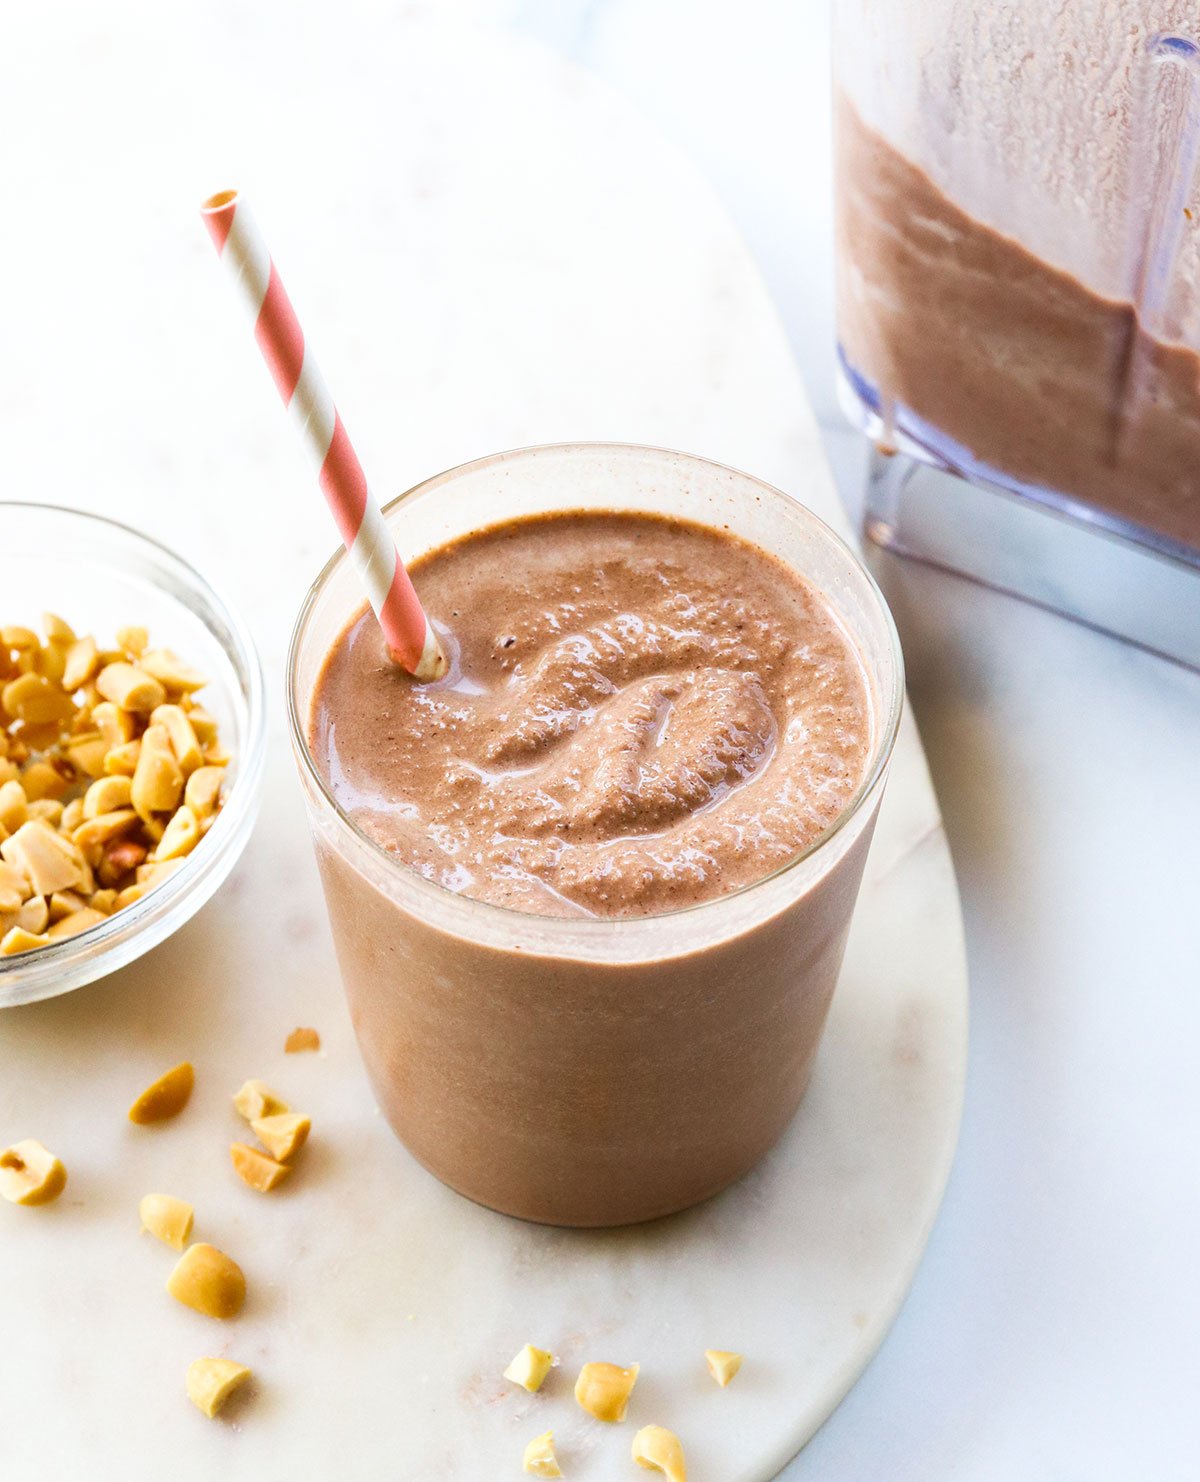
406 629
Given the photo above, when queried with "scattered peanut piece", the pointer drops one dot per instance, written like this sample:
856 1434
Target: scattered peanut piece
256 1169
722 1365
31 1175
210 1382
603 1390
540 1460
300 1040
256 1100
658 1449
208 1281
167 1218
99 750
530 1368
166 1097
283 1135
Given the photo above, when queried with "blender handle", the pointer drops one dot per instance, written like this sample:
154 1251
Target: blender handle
1161 170
1167 139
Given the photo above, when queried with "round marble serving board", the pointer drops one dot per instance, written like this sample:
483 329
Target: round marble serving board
487 249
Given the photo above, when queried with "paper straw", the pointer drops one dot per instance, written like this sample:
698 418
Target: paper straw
406 629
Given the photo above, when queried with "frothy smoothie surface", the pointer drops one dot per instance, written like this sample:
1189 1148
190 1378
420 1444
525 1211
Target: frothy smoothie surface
641 714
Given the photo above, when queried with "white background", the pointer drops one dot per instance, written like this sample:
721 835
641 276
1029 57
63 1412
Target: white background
1053 1330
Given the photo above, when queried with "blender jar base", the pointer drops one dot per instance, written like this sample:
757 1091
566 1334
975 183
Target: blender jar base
1035 544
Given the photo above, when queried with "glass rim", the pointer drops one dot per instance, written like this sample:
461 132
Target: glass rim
598 925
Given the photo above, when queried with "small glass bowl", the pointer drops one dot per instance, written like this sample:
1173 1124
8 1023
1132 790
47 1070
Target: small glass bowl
98 576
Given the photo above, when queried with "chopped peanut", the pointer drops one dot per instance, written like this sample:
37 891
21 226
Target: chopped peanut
114 724
165 1097
14 805
71 926
722 1365
203 724
300 1040
283 1135
104 827
122 761
167 1218
530 1368
206 1280
181 736
47 860
603 1390
157 779
203 790
180 836
658 1449
106 795
37 700
30 1175
133 640
540 1460
130 687
256 1169
34 915
171 671
41 737
210 1382
255 1100
19 940
56 629
14 888
51 663
86 754
120 859
41 780
65 903
82 660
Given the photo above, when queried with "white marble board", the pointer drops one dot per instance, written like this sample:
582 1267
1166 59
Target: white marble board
488 250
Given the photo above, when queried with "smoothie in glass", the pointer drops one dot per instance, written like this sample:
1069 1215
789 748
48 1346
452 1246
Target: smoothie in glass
590 891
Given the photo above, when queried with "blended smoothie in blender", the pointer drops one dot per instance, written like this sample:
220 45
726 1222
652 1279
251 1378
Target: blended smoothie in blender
1018 261
1006 360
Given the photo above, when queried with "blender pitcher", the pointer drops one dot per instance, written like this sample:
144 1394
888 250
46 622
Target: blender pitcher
1018 296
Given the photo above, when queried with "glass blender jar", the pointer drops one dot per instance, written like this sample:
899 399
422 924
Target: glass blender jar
1018 296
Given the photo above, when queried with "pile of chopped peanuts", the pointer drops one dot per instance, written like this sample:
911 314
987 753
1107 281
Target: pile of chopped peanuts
110 774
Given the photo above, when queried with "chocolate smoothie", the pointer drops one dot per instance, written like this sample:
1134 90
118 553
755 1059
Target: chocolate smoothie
1019 363
642 715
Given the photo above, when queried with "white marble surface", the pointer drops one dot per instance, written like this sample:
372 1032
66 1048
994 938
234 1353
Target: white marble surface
488 250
